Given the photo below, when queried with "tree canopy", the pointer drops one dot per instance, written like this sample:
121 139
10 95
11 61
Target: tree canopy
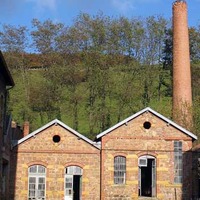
95 72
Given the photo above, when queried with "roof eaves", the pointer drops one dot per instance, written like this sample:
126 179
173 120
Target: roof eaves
148 109
56 121
174 124
34 133
122 122
78 134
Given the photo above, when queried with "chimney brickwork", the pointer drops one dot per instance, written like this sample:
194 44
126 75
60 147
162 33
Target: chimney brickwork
182 90
26 128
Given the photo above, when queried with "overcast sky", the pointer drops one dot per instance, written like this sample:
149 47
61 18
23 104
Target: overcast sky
21 12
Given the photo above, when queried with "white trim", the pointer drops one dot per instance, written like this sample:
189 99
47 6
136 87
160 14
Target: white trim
148 109
55 121
147 156
142 164
36 175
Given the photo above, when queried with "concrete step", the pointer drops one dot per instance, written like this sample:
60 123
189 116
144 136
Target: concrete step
148 198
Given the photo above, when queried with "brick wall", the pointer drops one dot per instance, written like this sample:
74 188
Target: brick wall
71 150
132 140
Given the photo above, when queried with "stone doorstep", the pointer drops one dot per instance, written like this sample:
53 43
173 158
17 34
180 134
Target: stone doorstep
147 198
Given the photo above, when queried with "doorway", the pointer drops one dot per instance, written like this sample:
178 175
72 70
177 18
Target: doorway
147 176
73 183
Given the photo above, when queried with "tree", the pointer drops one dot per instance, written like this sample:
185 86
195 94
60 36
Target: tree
14 41
194 36
45 34
98 79
153 40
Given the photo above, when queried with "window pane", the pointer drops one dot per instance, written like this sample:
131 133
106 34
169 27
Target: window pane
32 186
32 179
178 161
69 170
37 181
41 180
41 169
77 170
37 169
40 193
68 182
33 169
119 169
31 193
74 170
41 186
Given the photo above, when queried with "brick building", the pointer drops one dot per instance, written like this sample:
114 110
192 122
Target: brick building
142 156
55 162
6 82
145 155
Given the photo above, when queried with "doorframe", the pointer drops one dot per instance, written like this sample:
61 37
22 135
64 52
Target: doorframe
73 173
153 193
72 177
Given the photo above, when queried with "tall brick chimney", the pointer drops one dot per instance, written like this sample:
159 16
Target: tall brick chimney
182 90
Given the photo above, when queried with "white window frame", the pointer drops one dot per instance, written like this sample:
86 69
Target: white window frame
70 171
119 170
142 161
38 174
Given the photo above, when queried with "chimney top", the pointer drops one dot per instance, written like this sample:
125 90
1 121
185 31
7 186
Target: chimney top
26 128
179 2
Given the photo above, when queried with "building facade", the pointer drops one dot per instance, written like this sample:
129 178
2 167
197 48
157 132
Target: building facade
6 82
55 162
145 155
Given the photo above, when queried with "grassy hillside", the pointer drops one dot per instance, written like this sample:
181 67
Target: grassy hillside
93 96
124 90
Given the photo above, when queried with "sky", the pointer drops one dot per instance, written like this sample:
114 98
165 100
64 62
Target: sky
21 12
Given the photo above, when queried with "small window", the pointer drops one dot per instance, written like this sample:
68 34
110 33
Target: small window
56 138
119 170
147 125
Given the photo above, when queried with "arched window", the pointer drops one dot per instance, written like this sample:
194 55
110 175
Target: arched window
36 182
119 170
